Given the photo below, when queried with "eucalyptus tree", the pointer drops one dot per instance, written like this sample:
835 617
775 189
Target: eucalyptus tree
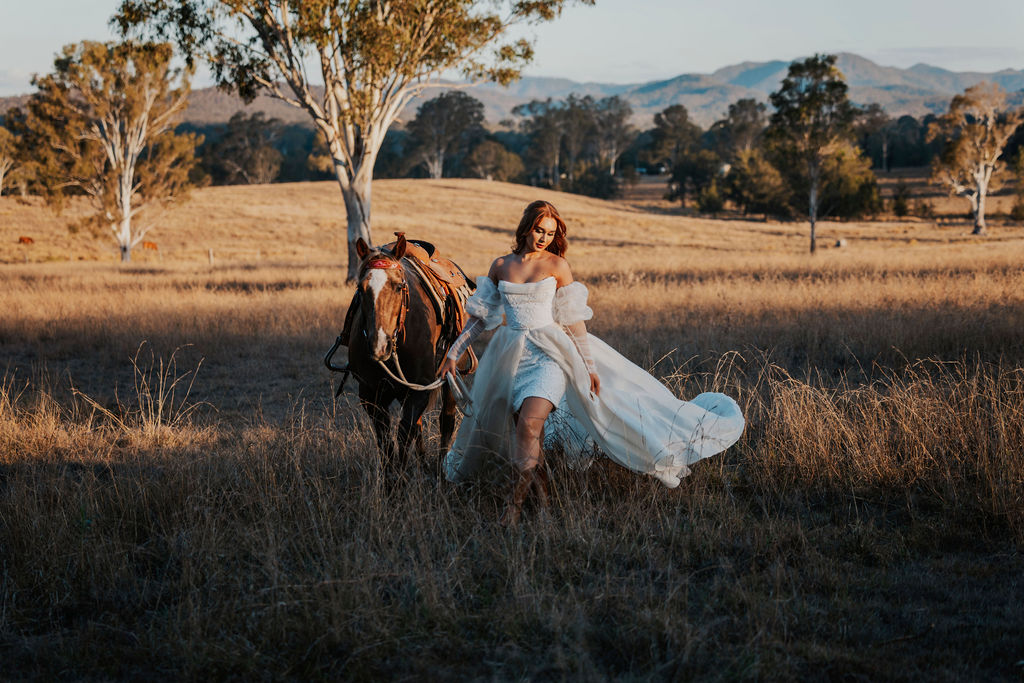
812 117
446 127
575 117
246 153
741 130
493 161
974 132
352 65
674 134
102 125
543 124
875 128
8 154
613 132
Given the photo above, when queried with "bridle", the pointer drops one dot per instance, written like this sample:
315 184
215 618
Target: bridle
383 261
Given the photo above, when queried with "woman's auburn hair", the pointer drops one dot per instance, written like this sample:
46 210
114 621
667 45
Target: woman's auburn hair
534 214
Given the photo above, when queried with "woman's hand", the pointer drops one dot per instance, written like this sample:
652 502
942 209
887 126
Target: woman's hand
595 384
447 367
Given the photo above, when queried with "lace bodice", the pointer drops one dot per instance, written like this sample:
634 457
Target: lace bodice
528 305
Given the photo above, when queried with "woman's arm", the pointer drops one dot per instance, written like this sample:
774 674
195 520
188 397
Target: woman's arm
577 330
474 326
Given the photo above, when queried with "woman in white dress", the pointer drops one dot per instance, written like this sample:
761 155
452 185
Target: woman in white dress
542 357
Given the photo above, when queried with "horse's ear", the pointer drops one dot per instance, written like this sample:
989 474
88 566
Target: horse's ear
362 248
400 245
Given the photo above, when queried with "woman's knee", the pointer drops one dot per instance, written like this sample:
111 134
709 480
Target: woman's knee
529 428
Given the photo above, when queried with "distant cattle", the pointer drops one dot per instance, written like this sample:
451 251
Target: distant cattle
146 244
26 240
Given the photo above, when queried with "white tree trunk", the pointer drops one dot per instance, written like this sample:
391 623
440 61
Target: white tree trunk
124 237
356 193
978 208
435 165
813 205
5 166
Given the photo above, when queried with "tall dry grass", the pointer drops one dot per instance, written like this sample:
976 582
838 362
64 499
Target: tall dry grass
177 484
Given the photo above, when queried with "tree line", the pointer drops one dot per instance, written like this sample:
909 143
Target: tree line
106 124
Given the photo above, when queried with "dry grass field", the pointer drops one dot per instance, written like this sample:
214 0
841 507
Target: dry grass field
181 497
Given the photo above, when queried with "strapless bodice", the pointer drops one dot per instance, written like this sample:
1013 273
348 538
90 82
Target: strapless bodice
528 305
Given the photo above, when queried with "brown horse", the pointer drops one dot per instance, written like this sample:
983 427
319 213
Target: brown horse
396 345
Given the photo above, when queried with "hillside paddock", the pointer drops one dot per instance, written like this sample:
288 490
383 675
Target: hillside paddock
177 484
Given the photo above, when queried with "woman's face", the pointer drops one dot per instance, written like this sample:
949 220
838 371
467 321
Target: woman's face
542 234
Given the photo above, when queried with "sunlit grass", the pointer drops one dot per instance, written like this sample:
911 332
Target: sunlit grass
203 508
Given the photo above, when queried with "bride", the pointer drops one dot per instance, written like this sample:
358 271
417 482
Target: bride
543 358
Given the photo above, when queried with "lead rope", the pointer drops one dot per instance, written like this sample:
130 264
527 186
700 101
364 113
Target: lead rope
458 388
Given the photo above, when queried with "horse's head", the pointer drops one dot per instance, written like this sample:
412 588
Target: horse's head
384 296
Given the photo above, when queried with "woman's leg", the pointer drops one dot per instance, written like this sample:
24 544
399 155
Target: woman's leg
528 455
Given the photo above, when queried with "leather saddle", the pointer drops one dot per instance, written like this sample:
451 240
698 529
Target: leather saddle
443 269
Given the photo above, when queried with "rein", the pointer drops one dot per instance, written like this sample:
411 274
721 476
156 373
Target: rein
378 262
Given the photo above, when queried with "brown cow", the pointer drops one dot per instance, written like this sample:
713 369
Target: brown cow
25 240
146 244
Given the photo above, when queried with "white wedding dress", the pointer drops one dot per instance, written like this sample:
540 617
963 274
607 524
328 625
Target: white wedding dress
636 421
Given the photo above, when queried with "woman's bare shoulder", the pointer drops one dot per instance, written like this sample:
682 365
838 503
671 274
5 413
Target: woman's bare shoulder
561 269
499 266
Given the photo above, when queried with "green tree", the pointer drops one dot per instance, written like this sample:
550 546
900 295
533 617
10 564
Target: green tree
741 129
491 160
709 199
8 155
102 124
575 120
849 188
755 186
974 132
245 154
674 134
612 131
812 116
1017 210
352 65
693 174
542 123
444 128
901 199
874 130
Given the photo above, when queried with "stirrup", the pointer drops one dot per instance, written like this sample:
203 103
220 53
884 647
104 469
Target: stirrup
460 393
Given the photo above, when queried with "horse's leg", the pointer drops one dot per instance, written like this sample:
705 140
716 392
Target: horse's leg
375 402
411 425
447 418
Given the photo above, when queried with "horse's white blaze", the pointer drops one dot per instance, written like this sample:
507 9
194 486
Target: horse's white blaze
377 280
380 343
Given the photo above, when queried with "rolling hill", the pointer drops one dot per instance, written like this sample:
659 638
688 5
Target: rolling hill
918 90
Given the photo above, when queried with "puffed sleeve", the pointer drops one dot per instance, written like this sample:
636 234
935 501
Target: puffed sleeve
570 304
485 303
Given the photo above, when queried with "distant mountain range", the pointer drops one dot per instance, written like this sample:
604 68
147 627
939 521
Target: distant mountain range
919 90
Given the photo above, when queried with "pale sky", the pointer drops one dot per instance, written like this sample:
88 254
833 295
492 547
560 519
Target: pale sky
632 41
